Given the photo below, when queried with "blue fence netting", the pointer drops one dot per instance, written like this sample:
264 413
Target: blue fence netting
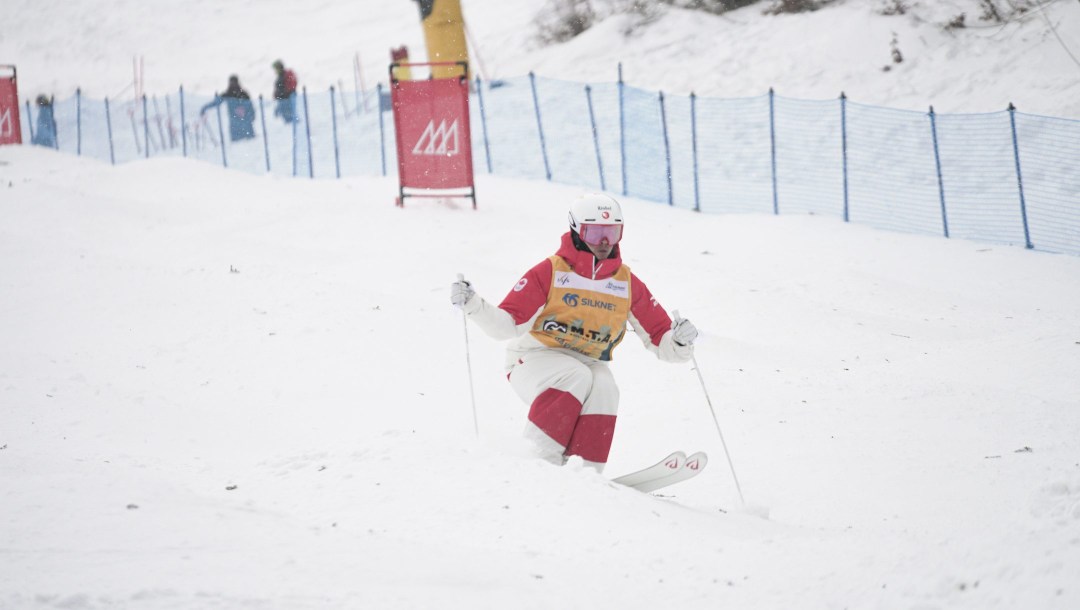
1004 177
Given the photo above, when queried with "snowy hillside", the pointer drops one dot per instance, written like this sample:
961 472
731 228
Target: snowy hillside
221 390
846 46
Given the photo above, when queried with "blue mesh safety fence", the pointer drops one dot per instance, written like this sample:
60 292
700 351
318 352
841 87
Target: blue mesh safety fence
979 177
1050 157
733 151
892 175
513 134
808 157
1004 177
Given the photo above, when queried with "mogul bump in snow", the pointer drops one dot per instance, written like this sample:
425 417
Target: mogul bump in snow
565 317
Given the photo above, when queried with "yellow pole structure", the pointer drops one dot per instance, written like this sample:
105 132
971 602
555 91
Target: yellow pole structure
444 35
400 56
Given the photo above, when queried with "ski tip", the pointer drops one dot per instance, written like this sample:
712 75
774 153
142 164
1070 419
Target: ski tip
669 465
696 461
675 460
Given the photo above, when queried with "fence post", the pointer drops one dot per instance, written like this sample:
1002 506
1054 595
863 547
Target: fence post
843 148
266 140
693 149
539 125
183 123
169 123
483 121
292 125
55 130
78 121
307 131
1019 176
108 128
622 133
937 164
333 122
595 137
221 134
29 120
160 129
382 129
772 149
146 127
667 151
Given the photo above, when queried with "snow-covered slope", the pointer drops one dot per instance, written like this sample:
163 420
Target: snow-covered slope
220 390
846 46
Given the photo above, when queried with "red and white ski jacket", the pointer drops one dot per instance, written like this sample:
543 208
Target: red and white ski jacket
573 302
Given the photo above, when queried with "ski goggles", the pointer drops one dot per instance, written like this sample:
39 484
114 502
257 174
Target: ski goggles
594 235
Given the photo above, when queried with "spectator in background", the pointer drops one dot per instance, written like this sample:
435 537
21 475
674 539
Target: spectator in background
46 123
241 110
285 92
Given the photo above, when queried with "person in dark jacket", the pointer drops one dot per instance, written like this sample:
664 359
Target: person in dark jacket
46 123
241 110
284 92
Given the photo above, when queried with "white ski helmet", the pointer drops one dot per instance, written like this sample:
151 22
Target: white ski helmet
594 209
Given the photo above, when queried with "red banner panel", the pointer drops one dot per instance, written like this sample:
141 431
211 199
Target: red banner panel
431 124
10 128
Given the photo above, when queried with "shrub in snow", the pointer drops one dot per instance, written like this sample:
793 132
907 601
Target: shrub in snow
640 13
795 6
894 7
990 11
957 22
711 6
997 11
561 20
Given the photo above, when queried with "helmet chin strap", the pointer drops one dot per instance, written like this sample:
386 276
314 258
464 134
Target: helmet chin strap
578 242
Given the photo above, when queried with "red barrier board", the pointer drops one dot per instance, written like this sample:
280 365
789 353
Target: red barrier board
431 125
10 127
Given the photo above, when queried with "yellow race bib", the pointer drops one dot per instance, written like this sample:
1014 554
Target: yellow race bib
584 315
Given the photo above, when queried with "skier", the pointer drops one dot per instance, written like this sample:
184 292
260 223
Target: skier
284 92
565 316
46 123
241 110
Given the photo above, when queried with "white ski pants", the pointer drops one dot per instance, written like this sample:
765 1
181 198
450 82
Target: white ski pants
573 401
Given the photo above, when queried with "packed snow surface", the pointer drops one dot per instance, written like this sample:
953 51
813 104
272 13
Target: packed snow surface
220 390
224 390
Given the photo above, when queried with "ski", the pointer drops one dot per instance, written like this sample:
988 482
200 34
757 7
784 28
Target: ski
691 467
674 468
664 468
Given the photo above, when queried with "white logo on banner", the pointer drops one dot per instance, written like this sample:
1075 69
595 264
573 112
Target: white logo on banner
438 140
6 128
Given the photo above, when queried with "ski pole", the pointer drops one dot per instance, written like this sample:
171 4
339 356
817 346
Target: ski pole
468 363
716 421
727 454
